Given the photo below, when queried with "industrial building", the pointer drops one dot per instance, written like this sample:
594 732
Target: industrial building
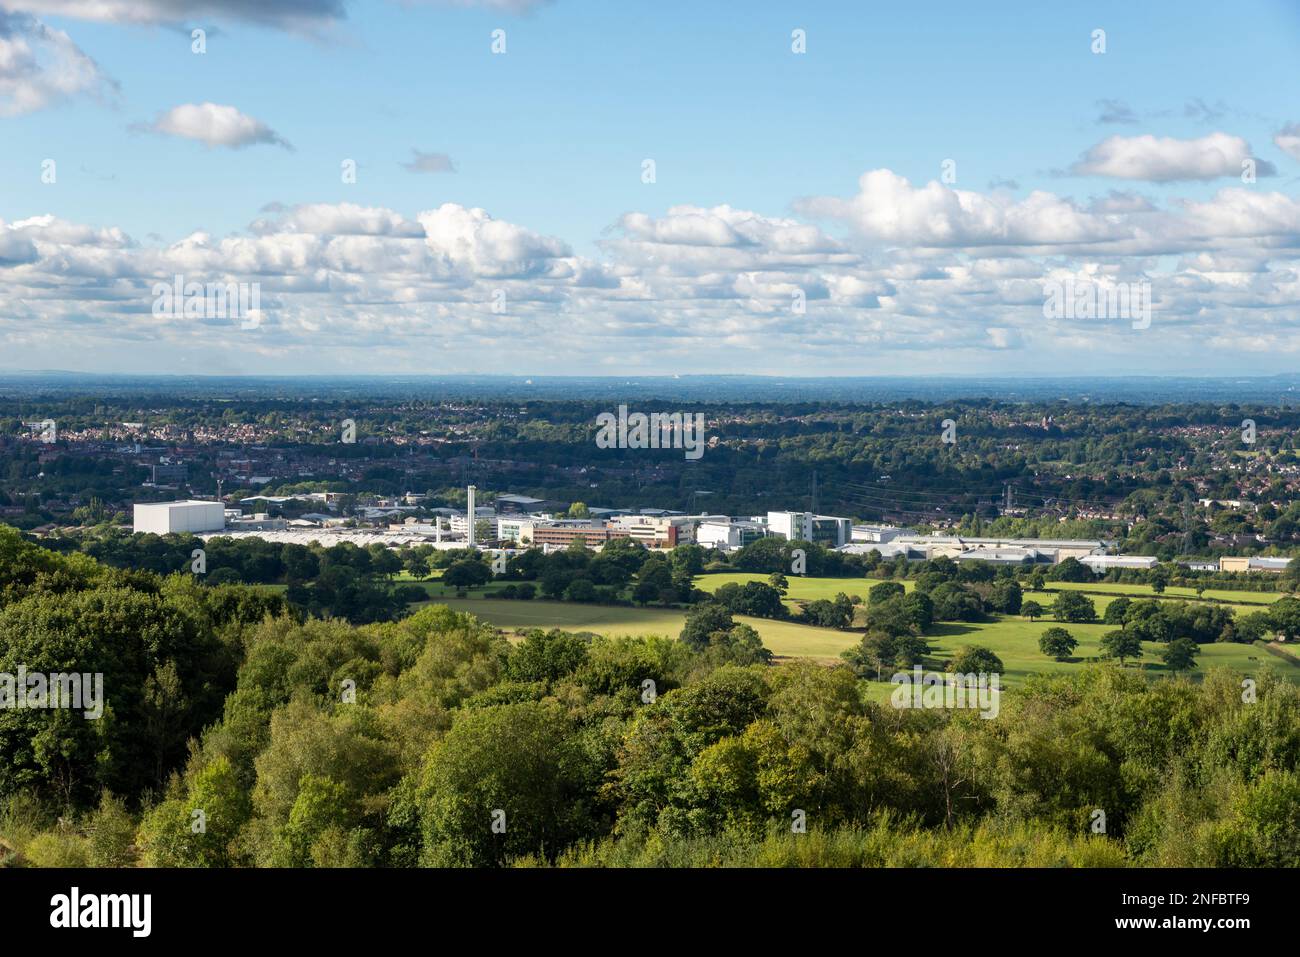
807 527
878 533
729 535
1104 563
163 518
1255 564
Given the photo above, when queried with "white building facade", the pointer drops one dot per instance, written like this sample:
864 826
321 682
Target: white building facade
163 518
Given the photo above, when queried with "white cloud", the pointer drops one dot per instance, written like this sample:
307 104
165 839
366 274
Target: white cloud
471 240
215 125
1287 139
887 208
41 66
338 219
292 14
1167 159
365 288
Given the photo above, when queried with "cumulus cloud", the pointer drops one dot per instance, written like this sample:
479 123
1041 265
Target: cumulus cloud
40 66
339 219
429 163
918 272
1167 159
290 14
215 125
1287 139
888 208
471 240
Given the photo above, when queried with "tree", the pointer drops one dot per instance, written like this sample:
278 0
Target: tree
466 573
1180 654
1121 644
884 591
1253 627
1006 597
579 510
703 622
974 659
1290 580
1057 643
1031 610
1117 610
956 602
112 834
1071 570
1072 606
1284 614
779 582
1159 579
580 589
878 651
919 609
418 567
506 781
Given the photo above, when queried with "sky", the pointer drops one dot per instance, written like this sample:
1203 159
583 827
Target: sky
587 187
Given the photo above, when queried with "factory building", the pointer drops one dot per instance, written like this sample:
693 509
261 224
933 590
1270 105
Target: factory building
1255 564
1104 563
163 518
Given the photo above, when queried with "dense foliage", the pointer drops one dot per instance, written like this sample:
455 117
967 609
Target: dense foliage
432 740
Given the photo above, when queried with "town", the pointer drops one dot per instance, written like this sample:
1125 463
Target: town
513 522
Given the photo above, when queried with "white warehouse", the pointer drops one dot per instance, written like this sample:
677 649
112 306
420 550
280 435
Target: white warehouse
192 516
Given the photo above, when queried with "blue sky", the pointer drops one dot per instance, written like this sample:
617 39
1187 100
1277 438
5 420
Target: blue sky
550 138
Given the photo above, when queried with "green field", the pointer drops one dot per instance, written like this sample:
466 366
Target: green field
1011 638
782 638
1145 591
802 588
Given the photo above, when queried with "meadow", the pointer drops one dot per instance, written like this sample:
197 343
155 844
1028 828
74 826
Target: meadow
1011 638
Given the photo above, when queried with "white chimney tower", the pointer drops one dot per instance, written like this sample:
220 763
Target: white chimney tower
471 516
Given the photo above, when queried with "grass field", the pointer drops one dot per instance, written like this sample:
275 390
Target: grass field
803 588
1145 591
1011 638
782 638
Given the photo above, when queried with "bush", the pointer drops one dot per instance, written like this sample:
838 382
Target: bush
57 849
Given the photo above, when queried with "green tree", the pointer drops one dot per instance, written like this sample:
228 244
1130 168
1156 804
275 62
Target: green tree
466 573
703 622
974 659
1057 643
1180 654
1073 606
884 591
506 781
1121 644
